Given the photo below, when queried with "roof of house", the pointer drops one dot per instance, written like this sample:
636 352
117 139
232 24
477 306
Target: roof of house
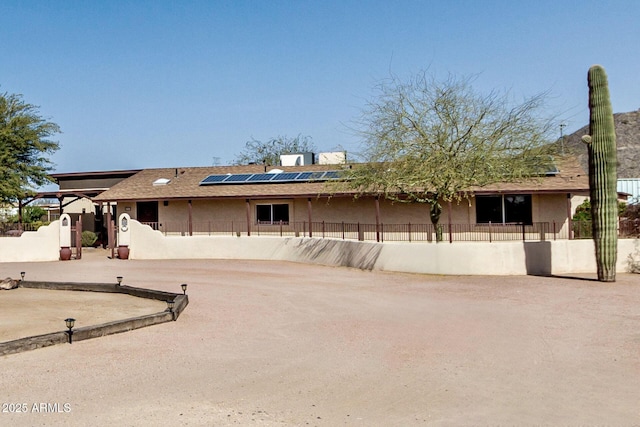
95 174
184 183
570 179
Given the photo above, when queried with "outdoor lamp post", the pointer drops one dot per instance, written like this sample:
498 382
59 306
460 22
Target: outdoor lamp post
170 305
22 273
184 288
70 322
119 279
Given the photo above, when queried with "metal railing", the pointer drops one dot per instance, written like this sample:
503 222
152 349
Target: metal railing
9 229
383 232
627 228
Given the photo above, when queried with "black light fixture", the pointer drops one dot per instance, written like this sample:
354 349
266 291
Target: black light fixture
119 279
70 322
184 288
22 273
170 304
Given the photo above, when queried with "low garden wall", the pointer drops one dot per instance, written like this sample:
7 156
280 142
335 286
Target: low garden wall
41 245
95 331
465 258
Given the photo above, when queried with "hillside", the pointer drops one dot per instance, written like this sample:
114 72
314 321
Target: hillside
627 139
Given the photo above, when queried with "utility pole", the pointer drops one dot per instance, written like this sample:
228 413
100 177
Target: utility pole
562 125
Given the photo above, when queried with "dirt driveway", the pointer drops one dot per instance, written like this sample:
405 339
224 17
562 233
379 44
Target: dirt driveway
275 343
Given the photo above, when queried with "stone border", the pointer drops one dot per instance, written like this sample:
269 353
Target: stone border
95 331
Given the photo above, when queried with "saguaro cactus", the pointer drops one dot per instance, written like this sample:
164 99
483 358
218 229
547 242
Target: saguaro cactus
602 174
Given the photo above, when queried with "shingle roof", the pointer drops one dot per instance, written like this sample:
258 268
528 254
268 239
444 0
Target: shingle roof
185 184
571 179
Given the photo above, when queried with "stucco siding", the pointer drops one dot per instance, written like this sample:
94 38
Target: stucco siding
546 208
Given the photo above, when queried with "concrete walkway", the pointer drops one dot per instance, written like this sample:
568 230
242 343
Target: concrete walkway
277 343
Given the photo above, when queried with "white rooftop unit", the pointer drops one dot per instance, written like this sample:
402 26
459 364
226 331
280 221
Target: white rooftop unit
332 158
298 159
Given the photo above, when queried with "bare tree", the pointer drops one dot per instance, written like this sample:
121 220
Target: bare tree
433 141
269 152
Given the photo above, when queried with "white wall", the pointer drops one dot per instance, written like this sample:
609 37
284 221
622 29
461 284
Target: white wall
464 258
41 245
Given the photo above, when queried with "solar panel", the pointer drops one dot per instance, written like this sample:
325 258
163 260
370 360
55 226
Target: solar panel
285 176
261 177
213 179
331 175
309 176
241 177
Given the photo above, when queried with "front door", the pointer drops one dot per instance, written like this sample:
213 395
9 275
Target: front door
147 213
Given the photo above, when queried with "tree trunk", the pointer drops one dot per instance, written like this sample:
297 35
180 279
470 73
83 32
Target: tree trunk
434 213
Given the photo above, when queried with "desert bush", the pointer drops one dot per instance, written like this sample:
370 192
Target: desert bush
88 238
633 262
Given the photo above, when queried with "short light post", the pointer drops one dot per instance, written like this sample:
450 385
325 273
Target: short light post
184 288
70 322
22 273
119 279
170 305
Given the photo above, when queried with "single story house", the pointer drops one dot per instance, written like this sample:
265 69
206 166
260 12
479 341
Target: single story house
256 198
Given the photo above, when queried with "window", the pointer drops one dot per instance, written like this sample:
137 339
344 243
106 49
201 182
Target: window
272 214
508 208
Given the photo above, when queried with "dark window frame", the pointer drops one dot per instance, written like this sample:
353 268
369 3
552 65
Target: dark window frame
272 213
504 209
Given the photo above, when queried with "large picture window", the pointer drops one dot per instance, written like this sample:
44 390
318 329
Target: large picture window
507 208
272 214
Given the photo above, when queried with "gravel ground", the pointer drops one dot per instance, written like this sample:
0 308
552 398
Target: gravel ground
276 343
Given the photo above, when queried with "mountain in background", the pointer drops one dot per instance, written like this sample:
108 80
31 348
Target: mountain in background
627 141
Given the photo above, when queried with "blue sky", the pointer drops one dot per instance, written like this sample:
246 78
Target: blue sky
142 84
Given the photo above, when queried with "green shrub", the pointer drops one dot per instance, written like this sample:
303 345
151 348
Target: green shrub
633 260
30 214
88 238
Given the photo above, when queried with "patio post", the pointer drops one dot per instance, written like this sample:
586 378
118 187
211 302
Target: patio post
450 230
309 214
60 198
20 214
190 224
248 218
377 218
569 216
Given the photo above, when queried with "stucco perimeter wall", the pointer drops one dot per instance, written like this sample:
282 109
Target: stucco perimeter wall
41 245
465 258
578 256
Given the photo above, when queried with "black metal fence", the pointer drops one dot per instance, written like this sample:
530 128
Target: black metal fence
10 229
383 232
